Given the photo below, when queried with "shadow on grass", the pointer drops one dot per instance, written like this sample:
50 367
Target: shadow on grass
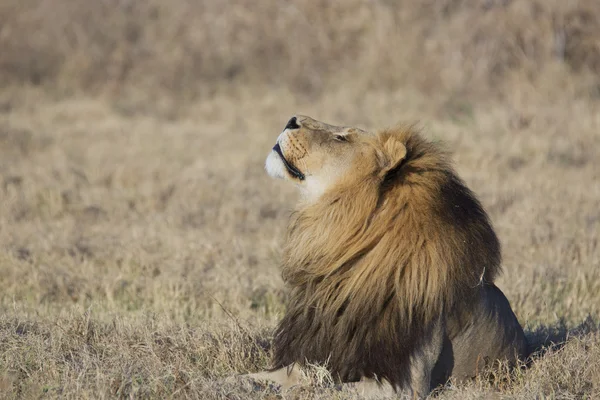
554 337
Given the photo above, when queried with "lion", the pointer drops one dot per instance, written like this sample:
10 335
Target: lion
390 262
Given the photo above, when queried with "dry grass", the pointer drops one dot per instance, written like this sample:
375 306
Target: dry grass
140 236
190 49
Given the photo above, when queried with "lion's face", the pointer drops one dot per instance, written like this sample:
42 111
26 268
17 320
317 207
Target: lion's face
317 156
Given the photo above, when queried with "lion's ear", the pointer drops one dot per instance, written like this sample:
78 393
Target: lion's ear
394 152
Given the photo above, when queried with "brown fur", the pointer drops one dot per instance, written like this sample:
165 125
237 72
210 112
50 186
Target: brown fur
379 258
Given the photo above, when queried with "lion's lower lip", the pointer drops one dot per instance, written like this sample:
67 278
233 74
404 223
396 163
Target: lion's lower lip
292 169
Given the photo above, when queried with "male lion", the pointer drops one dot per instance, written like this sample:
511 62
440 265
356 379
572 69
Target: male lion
390 261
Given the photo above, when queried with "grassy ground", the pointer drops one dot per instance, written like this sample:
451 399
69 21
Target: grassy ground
140 235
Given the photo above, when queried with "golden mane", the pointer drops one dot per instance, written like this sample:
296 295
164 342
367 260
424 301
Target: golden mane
373 263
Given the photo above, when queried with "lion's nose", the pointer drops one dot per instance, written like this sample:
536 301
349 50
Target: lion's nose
292 124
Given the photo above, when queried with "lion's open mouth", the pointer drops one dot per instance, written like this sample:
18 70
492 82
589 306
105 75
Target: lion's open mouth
291 169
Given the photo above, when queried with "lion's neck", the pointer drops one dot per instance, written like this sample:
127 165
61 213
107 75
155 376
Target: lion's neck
325 235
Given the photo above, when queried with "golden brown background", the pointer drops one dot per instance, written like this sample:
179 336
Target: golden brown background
140 235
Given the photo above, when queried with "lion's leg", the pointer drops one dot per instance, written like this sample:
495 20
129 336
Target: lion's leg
369 388
286 377
423 361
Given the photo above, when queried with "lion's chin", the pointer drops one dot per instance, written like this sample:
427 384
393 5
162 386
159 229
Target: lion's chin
275 166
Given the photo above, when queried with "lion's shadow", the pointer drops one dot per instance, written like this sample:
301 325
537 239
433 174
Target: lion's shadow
554 337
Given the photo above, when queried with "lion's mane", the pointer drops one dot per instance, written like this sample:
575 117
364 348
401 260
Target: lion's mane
373 264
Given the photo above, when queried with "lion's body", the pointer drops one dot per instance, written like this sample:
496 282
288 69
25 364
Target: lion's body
390 265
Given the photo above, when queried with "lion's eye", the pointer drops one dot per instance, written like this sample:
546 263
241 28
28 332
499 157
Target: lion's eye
341 138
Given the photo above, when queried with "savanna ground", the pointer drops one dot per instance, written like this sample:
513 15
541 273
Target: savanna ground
140 235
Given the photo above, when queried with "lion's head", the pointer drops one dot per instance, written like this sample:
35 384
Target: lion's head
318 156
388 239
